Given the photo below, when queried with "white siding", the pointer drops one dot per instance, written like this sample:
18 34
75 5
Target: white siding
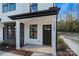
22 8
40 21
25 8
1 32
44 6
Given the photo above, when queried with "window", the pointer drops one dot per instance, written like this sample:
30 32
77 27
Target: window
6 7
33 31
12 6
33 7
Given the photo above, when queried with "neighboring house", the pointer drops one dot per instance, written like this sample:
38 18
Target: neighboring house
28 23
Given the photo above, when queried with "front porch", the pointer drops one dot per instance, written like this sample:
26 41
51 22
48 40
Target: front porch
41 49
39 41
21 34
38 28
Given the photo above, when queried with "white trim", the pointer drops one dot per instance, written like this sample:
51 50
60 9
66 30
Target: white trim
53 36
17 34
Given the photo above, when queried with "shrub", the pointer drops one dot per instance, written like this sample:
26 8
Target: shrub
61 45
3 44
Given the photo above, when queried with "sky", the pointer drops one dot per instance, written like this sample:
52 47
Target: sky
67 8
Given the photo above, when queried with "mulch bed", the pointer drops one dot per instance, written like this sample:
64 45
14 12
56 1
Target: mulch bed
22 52
12 49
63 49
67 52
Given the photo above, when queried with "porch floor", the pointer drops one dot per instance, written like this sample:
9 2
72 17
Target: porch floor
44 49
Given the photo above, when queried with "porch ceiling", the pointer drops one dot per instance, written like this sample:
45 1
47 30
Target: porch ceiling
53 11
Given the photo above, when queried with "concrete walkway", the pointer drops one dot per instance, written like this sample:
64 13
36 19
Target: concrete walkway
2 53
38 50
39 54
72 42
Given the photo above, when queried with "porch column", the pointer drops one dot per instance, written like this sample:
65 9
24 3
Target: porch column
1 31
17 34
54 36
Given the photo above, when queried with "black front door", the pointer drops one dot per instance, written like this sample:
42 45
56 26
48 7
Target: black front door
47 34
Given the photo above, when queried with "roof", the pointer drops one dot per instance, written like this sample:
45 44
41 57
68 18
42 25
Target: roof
51 11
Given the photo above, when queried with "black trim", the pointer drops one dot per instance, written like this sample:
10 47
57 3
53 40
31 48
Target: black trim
53 11
56 34
0 19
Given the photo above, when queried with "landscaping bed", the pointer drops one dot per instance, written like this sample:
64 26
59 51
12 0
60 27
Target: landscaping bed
63 49
11 48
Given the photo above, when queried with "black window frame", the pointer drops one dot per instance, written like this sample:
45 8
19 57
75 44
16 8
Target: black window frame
8 7
33 5
33 31
13 7
4 5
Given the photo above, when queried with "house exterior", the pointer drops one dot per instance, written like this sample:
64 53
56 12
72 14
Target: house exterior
28 23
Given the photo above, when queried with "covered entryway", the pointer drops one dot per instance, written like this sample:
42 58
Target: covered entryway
42 49
9 33
34 34
47 34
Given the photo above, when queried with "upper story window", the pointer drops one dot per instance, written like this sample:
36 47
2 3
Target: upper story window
6 7
33 7
12 6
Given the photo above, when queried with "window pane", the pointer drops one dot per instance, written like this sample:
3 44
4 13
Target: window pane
33 31
12 6
34 7
4 7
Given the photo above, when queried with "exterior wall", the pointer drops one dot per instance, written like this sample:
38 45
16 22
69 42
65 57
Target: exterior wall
25 8
22 8
40 21
44 6
1 32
